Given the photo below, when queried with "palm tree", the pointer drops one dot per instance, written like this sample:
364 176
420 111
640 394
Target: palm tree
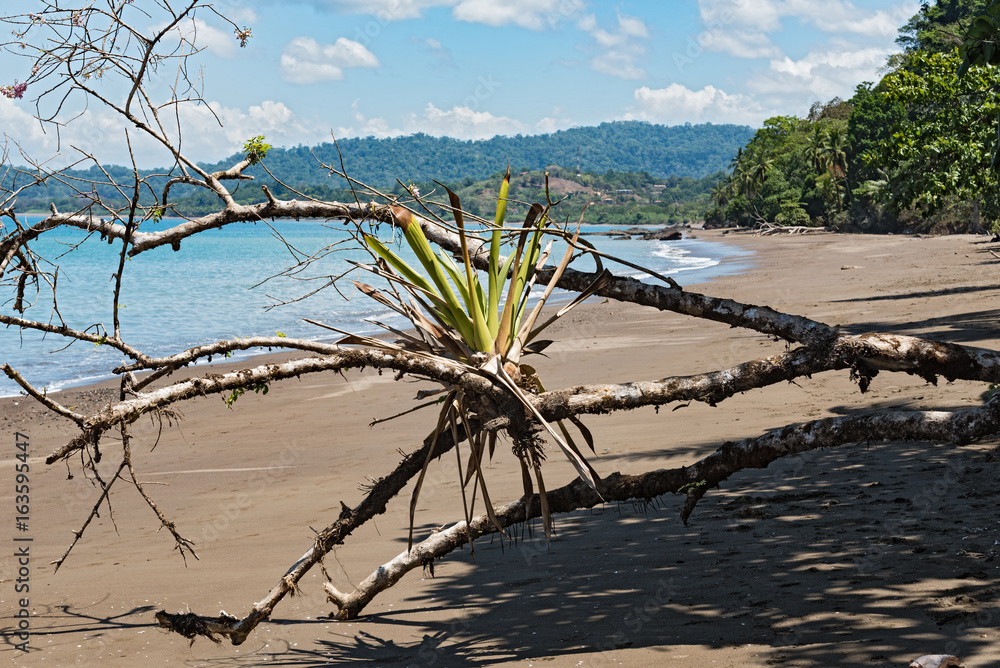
834 158
735 162
814 152
722 191
754 169
834 150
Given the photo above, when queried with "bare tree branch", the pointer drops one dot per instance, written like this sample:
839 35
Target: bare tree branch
958 427
43 399
130 410
374 503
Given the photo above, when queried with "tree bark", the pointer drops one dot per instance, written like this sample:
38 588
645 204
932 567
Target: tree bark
866 355
958 427
374 503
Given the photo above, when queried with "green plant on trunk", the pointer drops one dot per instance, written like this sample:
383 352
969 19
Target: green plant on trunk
256 149
487 328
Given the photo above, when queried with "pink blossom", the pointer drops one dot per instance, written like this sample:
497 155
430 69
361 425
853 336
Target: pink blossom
15 92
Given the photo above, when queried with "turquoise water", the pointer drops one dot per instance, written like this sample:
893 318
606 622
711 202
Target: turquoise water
205 292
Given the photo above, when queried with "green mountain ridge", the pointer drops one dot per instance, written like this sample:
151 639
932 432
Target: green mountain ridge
690 151
625 146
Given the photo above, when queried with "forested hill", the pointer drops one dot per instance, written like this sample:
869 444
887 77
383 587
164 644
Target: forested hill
624 146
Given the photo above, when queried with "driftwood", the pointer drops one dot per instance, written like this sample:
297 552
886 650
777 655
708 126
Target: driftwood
956 427
694 481
823 348
771 229
374 503
490 403
937 661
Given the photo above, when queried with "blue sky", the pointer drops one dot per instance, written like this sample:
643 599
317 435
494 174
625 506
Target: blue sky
476 68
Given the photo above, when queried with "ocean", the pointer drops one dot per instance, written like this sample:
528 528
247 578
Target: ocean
216 288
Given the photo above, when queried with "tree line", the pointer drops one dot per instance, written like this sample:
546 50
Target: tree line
911 152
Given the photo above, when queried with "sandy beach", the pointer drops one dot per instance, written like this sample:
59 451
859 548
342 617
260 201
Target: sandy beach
828 559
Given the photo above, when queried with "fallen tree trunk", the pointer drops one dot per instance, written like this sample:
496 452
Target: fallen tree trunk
770 229
958 427
865 354
211 383
374 503
668 298
825 348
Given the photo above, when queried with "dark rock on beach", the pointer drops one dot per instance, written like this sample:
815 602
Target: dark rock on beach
645 234
663 235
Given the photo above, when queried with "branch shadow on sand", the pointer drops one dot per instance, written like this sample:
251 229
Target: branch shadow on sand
966 328
860 555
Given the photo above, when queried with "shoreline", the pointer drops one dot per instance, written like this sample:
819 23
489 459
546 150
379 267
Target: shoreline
558 297
827 559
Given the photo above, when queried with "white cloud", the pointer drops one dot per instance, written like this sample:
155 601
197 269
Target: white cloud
557 121
755 15
460 122
843 17
530 14
98 133
678 104
742 44
241 15
821 74
463 122
631 26
272 119
101 132
306 61
621 48
628 29
742 27
222 43
271 114
618 63
438 51
18 124
861 40
787 86
837 16
587 23
386 10
833 16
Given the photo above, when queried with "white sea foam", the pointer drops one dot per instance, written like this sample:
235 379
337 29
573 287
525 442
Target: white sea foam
681 259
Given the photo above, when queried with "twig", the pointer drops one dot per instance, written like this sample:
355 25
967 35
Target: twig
93 513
